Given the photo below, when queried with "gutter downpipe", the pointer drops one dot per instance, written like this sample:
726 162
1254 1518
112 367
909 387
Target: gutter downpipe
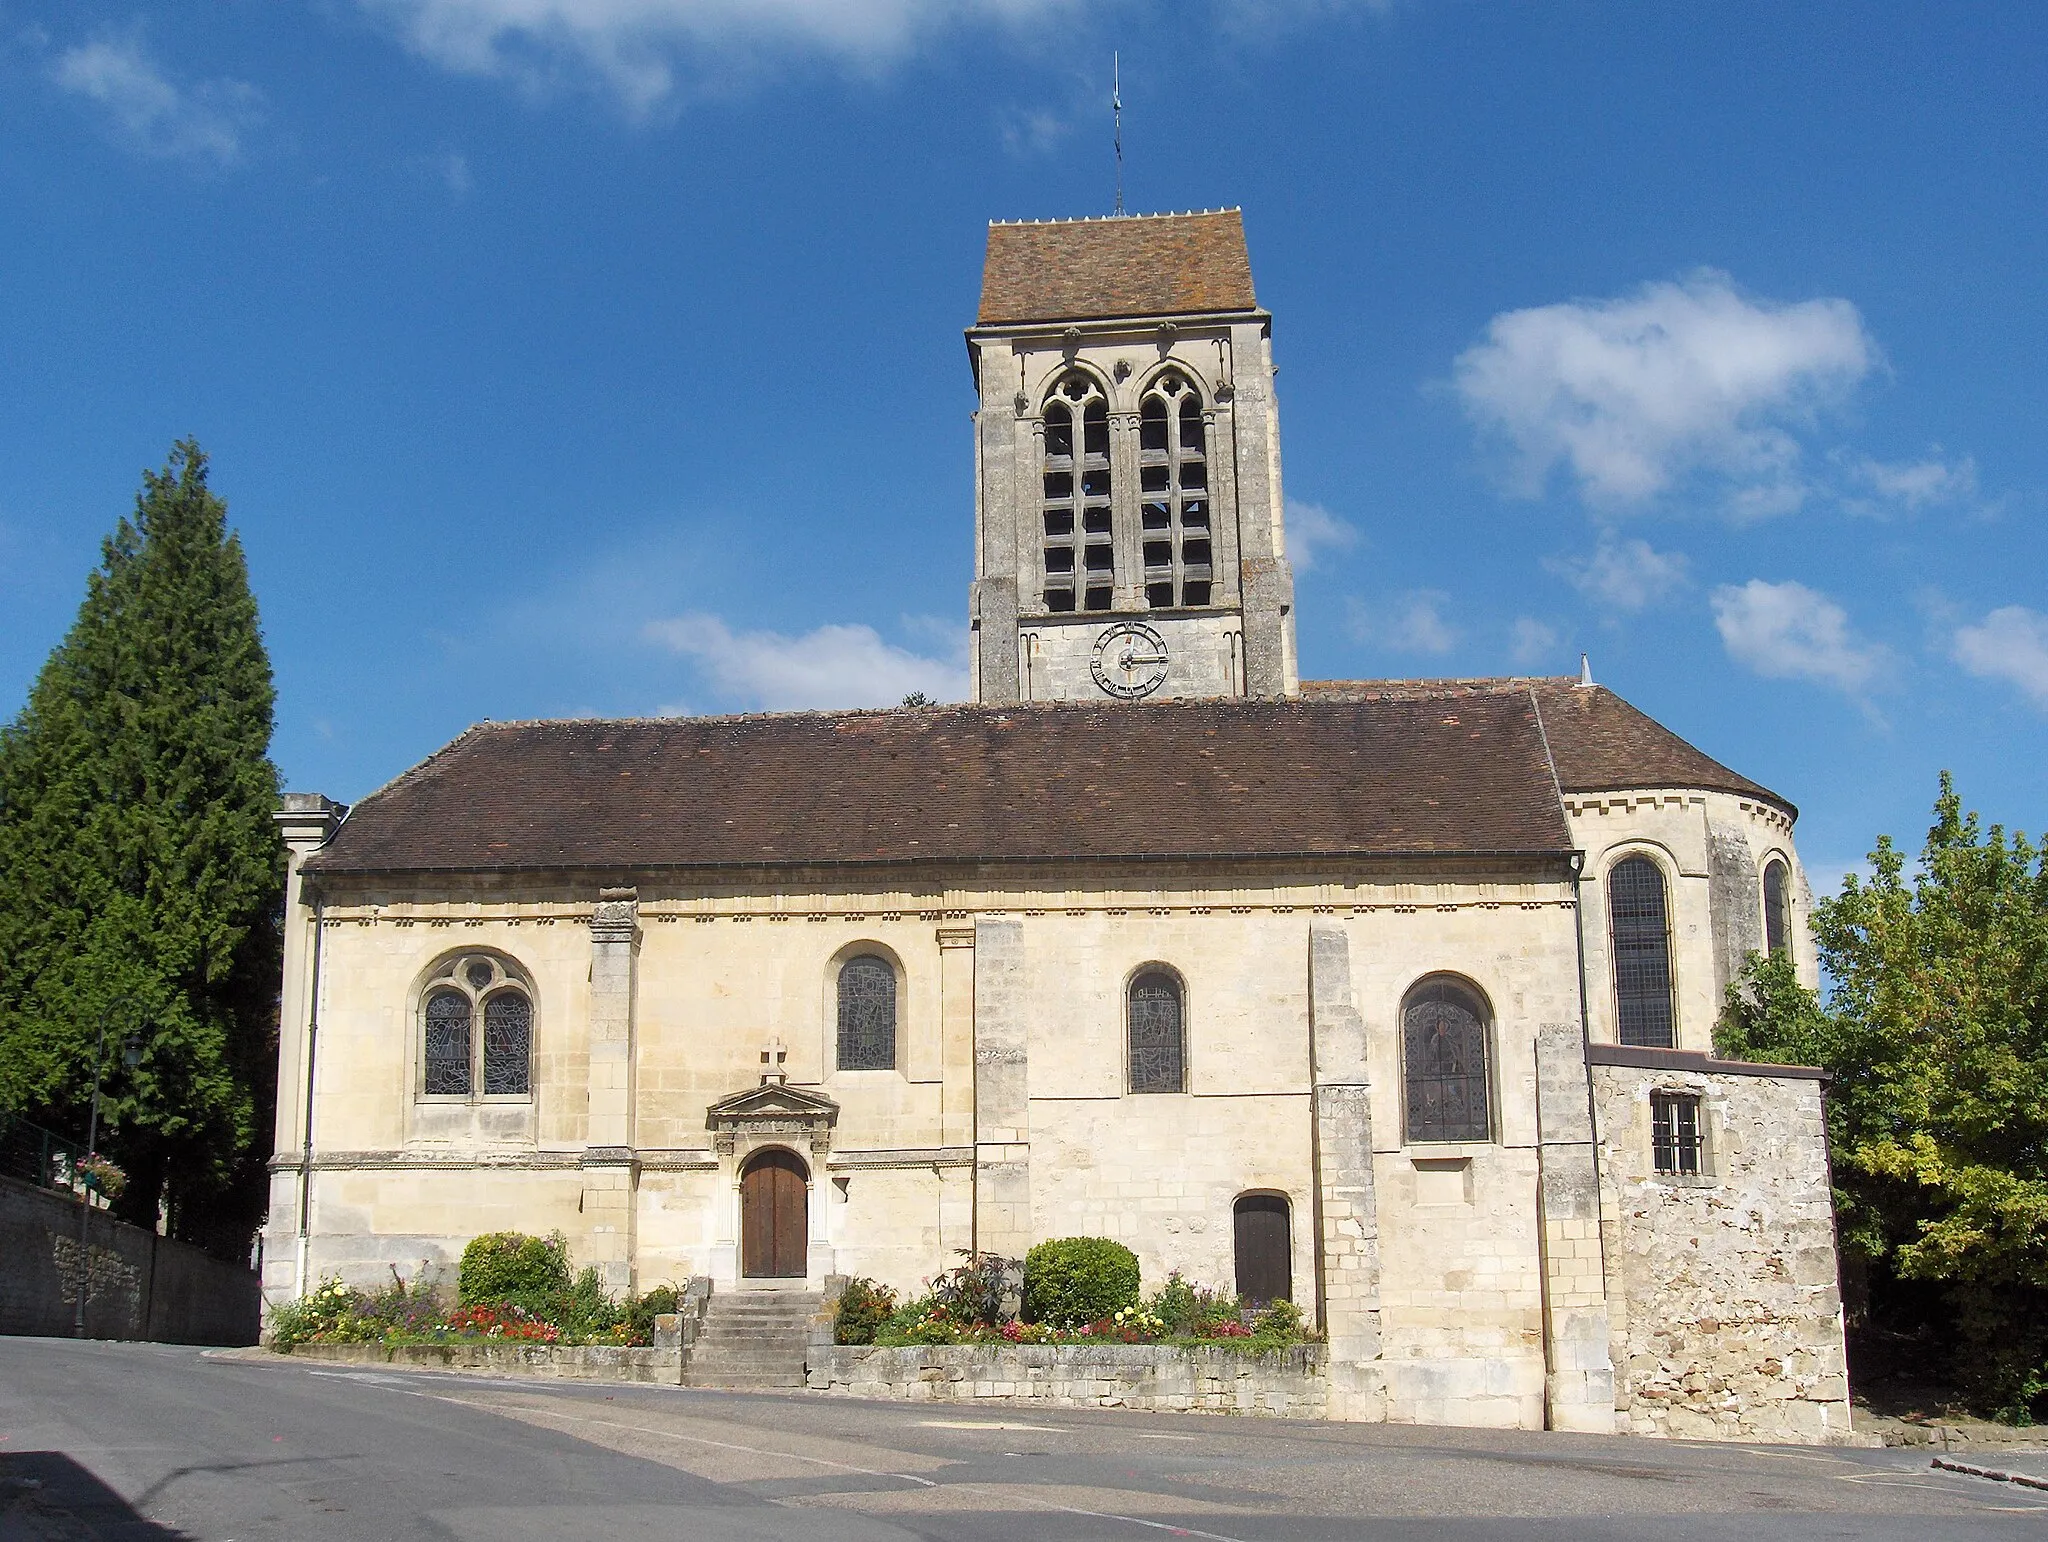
306 1152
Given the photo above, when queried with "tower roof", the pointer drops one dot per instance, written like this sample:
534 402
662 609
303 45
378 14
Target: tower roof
1125 265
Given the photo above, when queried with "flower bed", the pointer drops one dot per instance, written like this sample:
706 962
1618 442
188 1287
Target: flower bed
977 1303
512 1290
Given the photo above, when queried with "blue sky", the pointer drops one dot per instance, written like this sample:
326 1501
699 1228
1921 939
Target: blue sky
603 356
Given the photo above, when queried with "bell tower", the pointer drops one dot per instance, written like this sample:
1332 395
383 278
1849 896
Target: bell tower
1129 538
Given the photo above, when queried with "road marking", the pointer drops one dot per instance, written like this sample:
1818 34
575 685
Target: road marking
982 1424
1008 1497
1142 1435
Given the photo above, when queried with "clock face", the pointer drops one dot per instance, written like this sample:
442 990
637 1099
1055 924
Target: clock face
1130 660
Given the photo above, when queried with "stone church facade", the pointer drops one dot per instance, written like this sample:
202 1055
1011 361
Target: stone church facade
1392 997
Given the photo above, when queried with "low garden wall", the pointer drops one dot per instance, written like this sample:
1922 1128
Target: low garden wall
1160 1378
562 1362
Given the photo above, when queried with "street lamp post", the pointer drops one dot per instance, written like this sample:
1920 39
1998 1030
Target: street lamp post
131 1054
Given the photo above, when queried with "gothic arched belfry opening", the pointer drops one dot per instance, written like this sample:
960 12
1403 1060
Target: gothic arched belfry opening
1128 512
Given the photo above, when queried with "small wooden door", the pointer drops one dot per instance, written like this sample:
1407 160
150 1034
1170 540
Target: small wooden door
1265 1250
774 1217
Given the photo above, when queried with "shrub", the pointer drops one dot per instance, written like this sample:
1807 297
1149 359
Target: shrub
314 1315
1077 1280
978 1290
863 1307
1278 1325
510 1266
1195 1311
641 1311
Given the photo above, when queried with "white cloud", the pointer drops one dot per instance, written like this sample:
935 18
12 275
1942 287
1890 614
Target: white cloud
2010 644
1411 622
1532 641
1790 632
1312 530
150 112
834 666
636 46
1633 394
1912 485
1623 575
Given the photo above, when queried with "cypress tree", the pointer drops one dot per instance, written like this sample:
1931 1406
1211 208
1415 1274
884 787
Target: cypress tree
141 877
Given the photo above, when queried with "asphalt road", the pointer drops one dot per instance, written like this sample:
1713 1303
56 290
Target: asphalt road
140 1441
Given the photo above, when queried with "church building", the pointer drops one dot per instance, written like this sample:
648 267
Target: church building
1395 998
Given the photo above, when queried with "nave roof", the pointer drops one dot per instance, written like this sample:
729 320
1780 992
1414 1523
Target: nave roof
1359 769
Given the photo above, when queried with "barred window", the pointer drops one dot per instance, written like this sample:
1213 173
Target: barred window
1444 1055
1677 1146
1641 931
1080 560
1777 909
867 1014
456 1060
1173 473
1158 1036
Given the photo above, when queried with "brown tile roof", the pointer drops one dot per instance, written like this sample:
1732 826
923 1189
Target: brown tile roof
1600 742
1129 265
1206 779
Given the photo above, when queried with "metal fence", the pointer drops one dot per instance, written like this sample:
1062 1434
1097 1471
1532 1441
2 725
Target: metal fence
36 1155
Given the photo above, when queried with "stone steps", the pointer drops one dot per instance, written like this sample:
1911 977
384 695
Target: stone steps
753 1339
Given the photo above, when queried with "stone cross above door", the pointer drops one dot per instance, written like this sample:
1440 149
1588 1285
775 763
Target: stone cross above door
772 1072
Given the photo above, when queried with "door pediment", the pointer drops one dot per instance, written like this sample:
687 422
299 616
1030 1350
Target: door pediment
772 1111
773 1102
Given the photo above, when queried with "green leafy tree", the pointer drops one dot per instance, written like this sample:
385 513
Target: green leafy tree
143 875
1937 1035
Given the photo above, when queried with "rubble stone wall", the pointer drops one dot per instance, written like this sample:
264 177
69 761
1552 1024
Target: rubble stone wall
1725 1303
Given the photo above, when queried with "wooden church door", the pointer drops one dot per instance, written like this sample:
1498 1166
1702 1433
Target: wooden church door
1265 1250
774 1217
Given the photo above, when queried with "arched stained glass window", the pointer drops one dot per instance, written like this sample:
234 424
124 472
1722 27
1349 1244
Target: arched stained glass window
446 1048
1443 1045
867 1014
1640 928
508 1044
1777 907
465 994
1173 476
1080 559
1158 1035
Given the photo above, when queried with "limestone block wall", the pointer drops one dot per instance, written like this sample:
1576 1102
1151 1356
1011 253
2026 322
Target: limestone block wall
1461 1257
1712 849
1723 1290
1284 1383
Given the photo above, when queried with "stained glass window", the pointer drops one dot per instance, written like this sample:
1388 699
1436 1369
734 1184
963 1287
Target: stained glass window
1641 934
867 1014
1443 1029
1158 1040
1777 910
508 1043
447 1044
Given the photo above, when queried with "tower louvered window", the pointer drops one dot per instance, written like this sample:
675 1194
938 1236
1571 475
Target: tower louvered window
1080 558
1173 473
1640 928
